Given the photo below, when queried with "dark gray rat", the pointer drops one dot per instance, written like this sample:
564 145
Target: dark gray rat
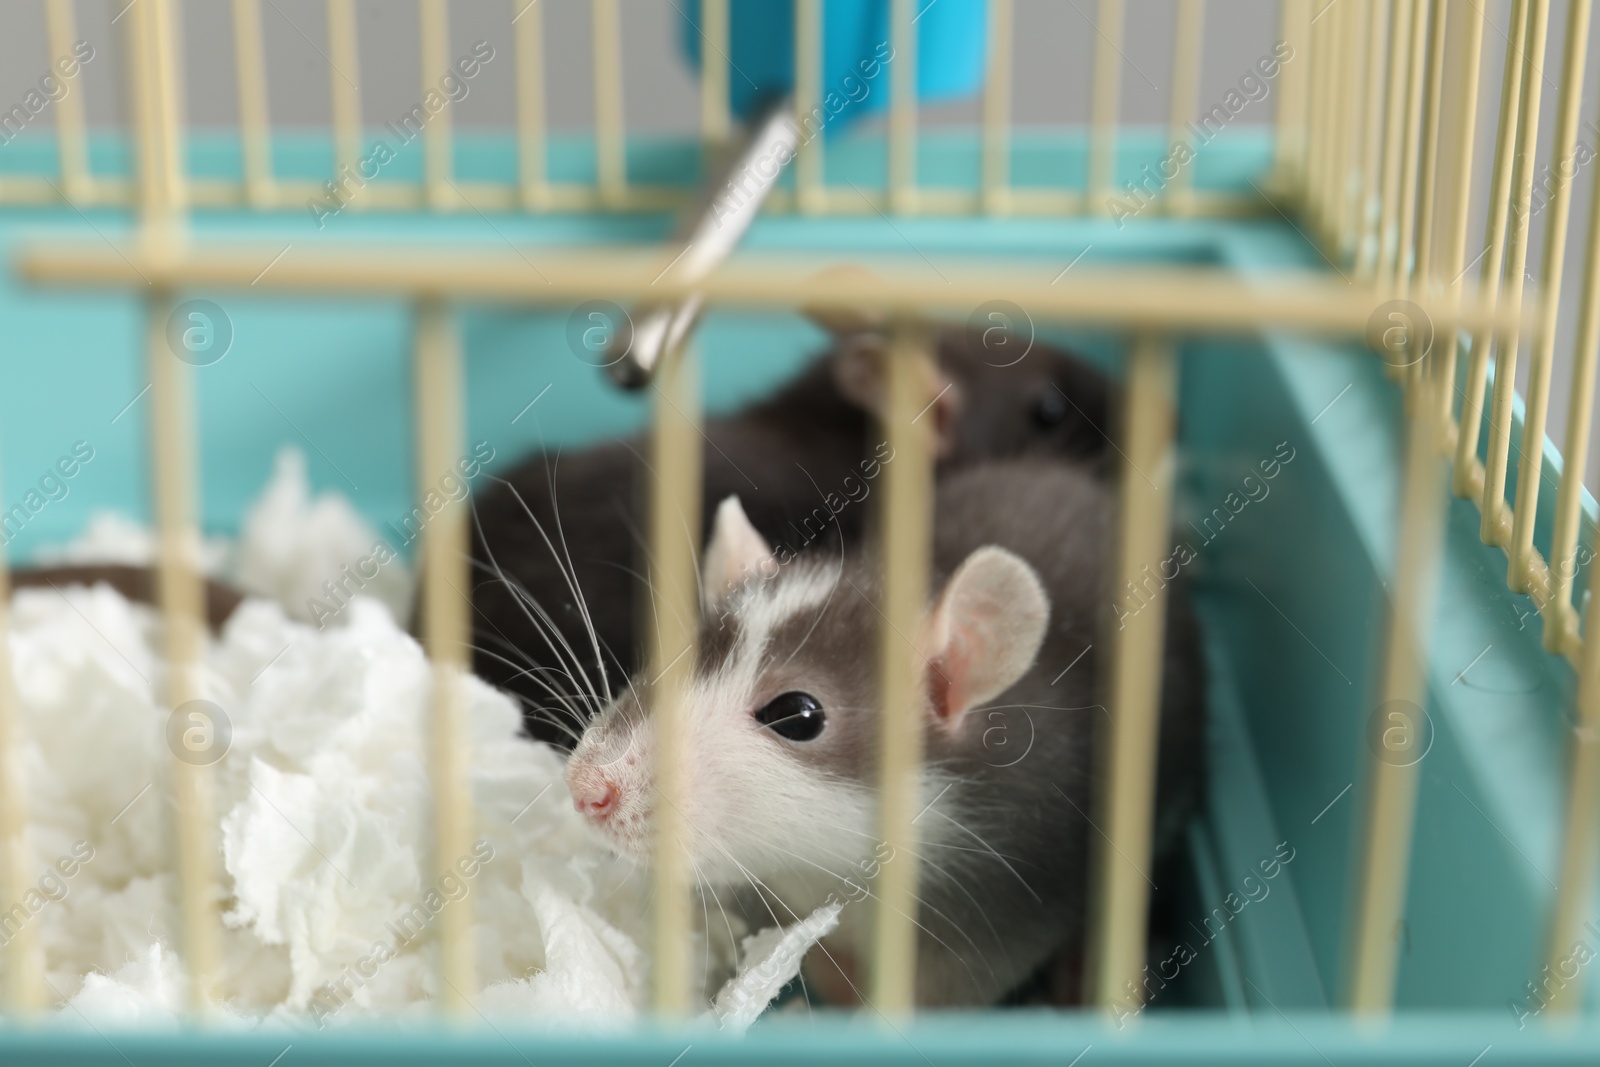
783 724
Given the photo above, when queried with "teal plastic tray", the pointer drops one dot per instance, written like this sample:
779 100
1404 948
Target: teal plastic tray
1292 590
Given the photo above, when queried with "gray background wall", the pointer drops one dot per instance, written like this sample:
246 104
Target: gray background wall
1054 45
1053 54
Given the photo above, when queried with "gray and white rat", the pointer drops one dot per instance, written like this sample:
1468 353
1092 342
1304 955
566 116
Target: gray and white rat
556 545
782 730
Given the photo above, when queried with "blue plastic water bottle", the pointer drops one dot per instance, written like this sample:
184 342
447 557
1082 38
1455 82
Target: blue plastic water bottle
857 54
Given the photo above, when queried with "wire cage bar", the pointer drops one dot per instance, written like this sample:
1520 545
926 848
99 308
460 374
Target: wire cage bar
611 165
902 108
174 465
1460 199
1496 523
1494 258
1561 620
1127 804
24 987
1520 577
344 86
446 632
438 186
674 550
255 128
528 22
1104 100
1187 49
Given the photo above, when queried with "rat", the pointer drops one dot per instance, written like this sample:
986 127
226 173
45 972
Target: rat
557 592
139 584
783 725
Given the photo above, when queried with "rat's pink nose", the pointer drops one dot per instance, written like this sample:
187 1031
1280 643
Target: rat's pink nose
595 797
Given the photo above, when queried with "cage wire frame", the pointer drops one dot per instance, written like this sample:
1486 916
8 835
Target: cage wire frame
1359 155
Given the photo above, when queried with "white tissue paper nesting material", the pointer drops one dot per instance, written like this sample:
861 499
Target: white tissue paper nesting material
330 899
771 960
111 537
296 550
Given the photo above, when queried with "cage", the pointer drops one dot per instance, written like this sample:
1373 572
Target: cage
1400 689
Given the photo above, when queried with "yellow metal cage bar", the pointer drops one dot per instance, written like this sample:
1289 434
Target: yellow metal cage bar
1371 145
174 478
434 28
255 129
1575 886
72 141
1126 807
1561 619
175 486
446 632
808 178
906 552
1464 482
24 961
1464 126
153 72
532 180
996 134
1394 146
1431 188
1496 524
1339 130
1575 889
1187 48
1411 157
1163 299
675 509
1530 471
1348 174
1104 101
903 107
1317 126
1294 18
1392 767
344 81
609 132
715 121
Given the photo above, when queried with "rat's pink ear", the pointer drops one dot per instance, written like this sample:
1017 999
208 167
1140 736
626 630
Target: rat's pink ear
736 551
860 368
984 632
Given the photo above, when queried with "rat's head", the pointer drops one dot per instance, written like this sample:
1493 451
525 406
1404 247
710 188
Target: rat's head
998 391
1023 397
781 721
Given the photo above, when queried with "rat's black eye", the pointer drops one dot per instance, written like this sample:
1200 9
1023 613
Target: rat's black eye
1050 410
793 716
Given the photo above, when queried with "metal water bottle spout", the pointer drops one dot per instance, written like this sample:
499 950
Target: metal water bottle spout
729 202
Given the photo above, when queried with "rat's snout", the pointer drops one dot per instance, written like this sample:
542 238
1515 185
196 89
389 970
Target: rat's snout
593 794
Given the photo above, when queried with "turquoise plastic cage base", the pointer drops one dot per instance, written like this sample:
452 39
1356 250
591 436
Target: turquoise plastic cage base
1291 589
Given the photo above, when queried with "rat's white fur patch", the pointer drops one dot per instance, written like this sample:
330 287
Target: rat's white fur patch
755 813
753 800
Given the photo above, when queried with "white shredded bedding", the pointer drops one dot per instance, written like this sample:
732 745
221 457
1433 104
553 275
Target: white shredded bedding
329 896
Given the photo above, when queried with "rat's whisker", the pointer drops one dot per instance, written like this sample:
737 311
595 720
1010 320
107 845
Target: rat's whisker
568 574
545 627
916 922
988 848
